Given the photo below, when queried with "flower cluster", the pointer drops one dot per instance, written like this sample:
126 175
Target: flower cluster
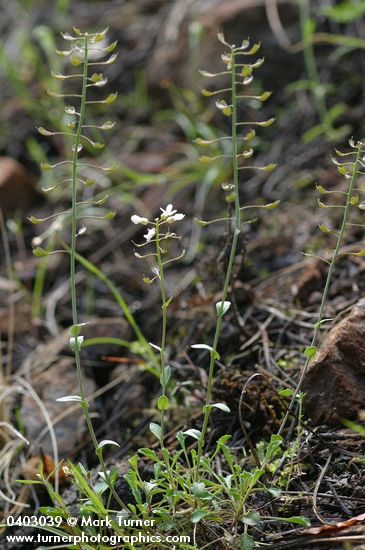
168 216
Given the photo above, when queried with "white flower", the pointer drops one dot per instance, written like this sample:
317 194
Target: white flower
175 218
137 219
167 212
171 215
150 234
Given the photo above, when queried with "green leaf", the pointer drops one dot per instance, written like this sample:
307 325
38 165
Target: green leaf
310 352
246 542
251 518
181 439
199 490
276 442
209 348
274 491
299 520
196 434
165 376
162 403
156 430
222 308
75 330
107 442
221 406
286 392
149 454
199 515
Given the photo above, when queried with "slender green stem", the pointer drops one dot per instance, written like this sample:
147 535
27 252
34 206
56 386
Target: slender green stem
74 191
317 326
161 279
237 230
84 403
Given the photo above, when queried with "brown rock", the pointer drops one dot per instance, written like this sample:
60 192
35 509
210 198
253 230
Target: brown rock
335 382
51 369
57 381
310 281
17 188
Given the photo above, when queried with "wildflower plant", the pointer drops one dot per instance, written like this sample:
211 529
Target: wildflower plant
351 164
77 134
240 75
158 235
184 487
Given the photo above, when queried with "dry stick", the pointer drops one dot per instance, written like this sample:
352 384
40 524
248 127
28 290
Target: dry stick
328 283
316 489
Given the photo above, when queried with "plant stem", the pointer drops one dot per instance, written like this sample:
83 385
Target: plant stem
317 326
74 209
237 230
161 279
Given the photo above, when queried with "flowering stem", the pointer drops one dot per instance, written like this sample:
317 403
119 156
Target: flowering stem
161 279
237 230
74 210
74 216
340 237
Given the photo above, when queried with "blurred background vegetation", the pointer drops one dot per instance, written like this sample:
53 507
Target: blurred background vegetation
314 64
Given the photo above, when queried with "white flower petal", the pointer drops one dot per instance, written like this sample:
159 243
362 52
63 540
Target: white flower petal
150 234
137 219
168 211
175 218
